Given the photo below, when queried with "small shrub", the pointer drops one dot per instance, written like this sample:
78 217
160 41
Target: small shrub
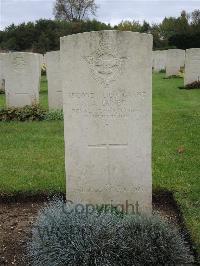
43 70
54 115
174 77
2 91
30 113
193 85
162 71
62 236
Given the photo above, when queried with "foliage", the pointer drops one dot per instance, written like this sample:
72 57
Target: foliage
30 113
43 35
54 115
193 85
44 70
129 26
185 40
162 71
74 10
2 91
63 235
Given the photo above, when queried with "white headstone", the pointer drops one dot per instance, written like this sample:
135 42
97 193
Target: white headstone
40 62
175 60
2 78
159 60
44 59
192 66
54 80
22 79
107 97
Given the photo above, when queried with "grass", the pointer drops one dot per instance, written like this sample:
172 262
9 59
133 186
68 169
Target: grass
176 146
32 153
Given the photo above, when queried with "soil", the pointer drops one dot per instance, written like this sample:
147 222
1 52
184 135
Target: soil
17 218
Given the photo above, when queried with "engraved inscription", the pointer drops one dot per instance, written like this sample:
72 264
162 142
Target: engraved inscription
109 187
111 104
18 63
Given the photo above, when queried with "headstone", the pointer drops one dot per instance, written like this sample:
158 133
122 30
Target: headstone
192 66
2 78
44 59
22 79
40 62
175 60
107 97
54 80
159 60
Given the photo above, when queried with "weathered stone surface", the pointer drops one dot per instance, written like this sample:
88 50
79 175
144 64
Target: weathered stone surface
159 60
22 79
54 80
40 62
192 66
107 97
175 60
2 78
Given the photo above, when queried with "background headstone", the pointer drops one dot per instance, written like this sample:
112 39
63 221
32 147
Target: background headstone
159 60
40 62
107 101
22 79
175 60
192 66
54 80
2 78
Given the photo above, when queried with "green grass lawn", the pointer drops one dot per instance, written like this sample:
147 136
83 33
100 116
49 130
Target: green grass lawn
32 153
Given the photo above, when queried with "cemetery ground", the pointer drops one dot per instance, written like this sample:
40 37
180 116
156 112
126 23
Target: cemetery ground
32 161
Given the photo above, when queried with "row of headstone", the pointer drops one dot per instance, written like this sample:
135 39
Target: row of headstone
106 81
170 60
173 60
20 74
107 101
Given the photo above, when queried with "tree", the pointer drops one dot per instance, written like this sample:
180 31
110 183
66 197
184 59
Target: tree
129 26
145 27
74 10
195 15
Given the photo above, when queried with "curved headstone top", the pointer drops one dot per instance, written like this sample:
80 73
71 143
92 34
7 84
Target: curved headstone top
107 100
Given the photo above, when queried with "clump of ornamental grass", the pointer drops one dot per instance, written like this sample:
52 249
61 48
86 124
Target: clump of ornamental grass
26 113
54 115
162 71
72 236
